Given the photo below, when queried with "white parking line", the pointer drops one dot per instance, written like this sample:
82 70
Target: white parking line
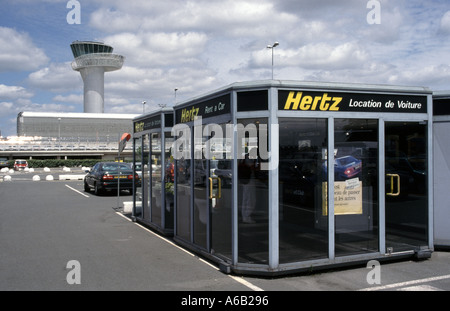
237 279
86 196
408 283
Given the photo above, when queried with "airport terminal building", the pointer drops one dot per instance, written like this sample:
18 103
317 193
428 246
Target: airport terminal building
75 126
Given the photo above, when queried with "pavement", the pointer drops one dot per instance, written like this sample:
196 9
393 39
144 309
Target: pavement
52 232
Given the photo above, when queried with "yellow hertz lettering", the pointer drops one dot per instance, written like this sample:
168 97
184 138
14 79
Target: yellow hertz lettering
296 101
138 127
188 115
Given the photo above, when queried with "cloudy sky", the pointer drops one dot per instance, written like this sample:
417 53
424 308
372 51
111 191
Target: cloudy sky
200 45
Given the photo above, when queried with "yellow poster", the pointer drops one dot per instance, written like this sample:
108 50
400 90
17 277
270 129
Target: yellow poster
347 197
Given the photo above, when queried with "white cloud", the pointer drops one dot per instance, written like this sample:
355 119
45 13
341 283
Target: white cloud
316 56
445 23
200 45
227 17
158 49
72 98
18 53
13 92
7 108
56 78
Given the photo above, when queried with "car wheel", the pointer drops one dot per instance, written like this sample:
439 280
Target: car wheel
97 190
86 187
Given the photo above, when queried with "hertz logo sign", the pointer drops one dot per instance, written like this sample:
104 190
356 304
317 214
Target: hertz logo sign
324 102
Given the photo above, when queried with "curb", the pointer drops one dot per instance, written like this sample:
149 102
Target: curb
71 177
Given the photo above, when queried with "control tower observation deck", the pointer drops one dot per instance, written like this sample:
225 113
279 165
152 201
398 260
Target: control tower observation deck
92 60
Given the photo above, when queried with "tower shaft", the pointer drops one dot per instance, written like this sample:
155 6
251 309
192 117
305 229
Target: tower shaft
94 89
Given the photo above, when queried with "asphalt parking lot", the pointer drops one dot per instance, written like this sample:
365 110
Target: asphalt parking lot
46 226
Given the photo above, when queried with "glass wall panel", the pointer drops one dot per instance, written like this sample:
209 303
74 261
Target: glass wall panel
356 186
303 228
253 192
138 197
183 188
156 178
406 186
221 193
169 181
201 179
146 178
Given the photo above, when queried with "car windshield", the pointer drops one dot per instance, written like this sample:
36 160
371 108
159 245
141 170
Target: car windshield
113 167
346 161
21 162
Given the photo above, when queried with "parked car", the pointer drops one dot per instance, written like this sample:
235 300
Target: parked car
20 165
138 168
345 167
104 176
3 162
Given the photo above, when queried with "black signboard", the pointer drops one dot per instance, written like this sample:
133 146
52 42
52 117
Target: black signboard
441 107
253 101
210 108
355 102
147 124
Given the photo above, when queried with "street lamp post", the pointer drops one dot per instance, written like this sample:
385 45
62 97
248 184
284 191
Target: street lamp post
59 134
143 107
272 47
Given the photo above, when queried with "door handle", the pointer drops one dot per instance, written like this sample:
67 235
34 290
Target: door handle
392 193
219 194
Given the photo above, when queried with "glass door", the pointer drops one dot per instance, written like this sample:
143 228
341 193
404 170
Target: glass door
146 208
253 192
220 191
138 167
406 174
201 176
356 186
156 181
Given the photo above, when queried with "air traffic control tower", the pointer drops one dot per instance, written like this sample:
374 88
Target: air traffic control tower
92 60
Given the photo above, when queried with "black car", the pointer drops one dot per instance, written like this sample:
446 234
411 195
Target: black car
104 176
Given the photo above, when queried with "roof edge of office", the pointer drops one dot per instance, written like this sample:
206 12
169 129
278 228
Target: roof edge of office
362 87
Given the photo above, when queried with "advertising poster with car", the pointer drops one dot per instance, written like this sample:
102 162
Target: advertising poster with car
347 185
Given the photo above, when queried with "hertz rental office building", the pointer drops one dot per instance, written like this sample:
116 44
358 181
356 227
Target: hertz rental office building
273 177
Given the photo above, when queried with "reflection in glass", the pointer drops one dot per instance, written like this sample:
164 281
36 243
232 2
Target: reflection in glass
137 185
407 205
355 186
201 176
183 196
146 178
169 175
155 165
253 195
303 229
221 201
